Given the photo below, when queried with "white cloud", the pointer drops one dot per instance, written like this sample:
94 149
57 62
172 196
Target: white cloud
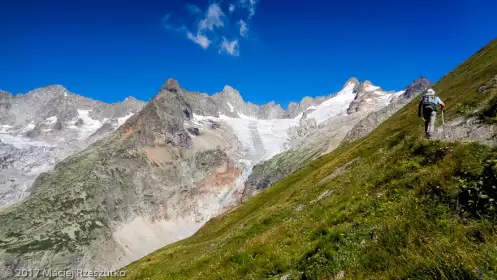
212 26
199 39
212 19
243 28
230 47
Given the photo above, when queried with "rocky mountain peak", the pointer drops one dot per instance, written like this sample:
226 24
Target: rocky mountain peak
171 85
229 101
366 86
415 88
160 122
352 80
368 83
53 90
231 93
130 98
5 94
228 88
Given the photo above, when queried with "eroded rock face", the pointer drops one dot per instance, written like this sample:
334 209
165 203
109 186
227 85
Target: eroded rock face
414 89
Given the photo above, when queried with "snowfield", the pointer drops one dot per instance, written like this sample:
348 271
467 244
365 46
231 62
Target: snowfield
263 139
335 106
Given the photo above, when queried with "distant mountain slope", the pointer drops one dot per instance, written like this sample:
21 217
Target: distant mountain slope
45 125
388 206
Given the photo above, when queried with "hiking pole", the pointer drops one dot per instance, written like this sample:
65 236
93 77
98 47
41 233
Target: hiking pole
443 124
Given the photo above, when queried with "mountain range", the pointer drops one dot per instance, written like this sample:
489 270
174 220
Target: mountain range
91 185
43 126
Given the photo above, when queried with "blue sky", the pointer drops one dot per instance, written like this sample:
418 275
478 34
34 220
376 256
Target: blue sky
268 50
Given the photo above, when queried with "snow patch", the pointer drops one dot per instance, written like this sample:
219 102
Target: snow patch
260 139
29 127
384 100
51 120
274 135
4 128
89 126
245 117
231 107
335 106
372 88
21 142
398 93
122 120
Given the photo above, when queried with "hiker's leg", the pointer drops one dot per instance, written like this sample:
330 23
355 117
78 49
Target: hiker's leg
431 126
427 124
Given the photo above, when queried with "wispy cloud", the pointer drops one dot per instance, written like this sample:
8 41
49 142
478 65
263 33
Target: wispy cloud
212 19
230 47
199 39
243 28
212 26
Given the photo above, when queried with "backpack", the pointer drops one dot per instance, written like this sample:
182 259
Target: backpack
429 103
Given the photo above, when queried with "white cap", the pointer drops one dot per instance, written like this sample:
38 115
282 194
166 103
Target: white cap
430 92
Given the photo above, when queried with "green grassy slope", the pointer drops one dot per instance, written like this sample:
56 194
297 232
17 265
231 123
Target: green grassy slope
402 210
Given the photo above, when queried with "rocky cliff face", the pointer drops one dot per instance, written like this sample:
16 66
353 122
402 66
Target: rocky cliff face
43 126
166 170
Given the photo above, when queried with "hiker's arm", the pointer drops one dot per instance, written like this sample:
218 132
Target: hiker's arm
419 110
442 105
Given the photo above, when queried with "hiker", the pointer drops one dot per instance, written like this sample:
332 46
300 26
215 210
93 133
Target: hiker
427 110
